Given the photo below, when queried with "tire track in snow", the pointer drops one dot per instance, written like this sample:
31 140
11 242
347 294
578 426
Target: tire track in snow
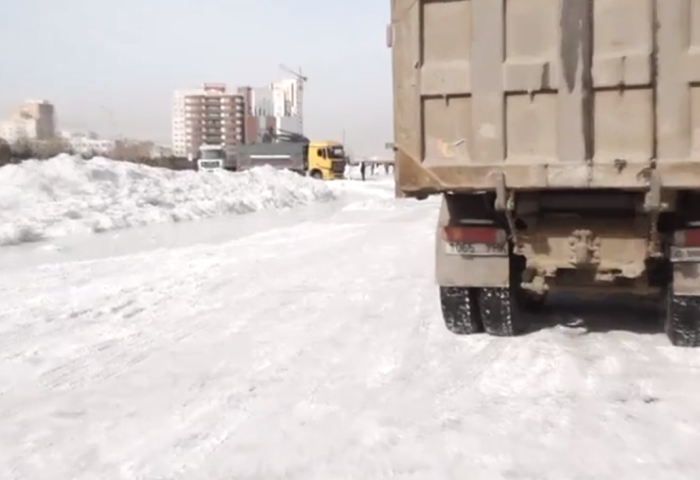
330 361
323 349
188 274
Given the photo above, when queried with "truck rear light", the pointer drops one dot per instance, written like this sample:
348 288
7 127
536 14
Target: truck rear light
687 238
474 234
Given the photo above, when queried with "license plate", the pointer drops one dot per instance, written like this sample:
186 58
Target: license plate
685 254
476 249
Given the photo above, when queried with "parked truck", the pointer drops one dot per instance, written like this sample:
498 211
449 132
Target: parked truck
564 139
327 160
319 159
283 155
211 158
324 159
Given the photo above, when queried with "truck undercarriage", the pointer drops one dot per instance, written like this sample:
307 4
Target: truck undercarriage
498 256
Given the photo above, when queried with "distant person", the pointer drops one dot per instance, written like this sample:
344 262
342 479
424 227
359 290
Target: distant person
362 170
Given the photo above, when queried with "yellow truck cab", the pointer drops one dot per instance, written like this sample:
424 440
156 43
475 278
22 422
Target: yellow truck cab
327 160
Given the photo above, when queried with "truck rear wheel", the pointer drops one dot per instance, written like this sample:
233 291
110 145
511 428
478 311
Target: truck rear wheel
501 313
682 319
502 309
460 310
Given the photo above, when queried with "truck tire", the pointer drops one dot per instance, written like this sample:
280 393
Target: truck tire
682 319
460 311
499 312
501 309
317 175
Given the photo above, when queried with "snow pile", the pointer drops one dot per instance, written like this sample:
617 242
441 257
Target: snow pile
67 195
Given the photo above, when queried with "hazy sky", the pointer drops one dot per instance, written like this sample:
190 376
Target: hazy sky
112 65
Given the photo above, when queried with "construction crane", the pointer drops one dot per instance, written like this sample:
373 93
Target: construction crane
299 76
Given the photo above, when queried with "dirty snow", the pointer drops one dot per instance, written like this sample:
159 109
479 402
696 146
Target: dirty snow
313 349
68 195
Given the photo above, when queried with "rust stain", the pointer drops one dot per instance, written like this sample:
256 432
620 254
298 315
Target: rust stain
446 149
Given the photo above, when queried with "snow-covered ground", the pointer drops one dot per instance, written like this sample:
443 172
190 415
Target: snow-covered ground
308 345
69 195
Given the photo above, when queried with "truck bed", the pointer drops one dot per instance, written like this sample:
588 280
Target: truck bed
548 93
283 155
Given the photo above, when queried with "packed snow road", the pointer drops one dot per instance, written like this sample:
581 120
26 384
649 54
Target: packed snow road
314 350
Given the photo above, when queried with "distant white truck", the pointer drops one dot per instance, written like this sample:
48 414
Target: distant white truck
211 158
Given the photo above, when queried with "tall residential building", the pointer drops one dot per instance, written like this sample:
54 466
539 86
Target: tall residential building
44 113
207 116
16 129
291 94
256 124
278 105
33 120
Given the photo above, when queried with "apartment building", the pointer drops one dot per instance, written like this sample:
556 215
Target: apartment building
210 115
289 98
278 105
88 143
33 120
255 124
43 113
15 129
290 93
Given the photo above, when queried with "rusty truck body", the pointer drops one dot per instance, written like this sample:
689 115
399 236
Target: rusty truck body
564 138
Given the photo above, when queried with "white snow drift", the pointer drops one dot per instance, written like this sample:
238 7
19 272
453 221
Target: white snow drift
65 195
316 350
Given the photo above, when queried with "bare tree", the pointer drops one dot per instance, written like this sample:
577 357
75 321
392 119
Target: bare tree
5 152
132 151
50 148
24 148
125 150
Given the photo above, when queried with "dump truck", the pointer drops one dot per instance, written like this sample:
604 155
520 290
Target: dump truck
323 159
564 139
284 150
283 155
